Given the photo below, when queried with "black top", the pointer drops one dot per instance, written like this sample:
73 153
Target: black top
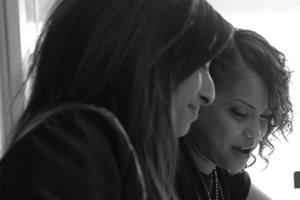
189 186
74 152
234 187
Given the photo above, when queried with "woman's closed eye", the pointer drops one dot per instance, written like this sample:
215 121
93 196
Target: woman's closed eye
238 113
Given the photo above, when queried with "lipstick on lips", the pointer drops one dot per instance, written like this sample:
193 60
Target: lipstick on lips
195 110
243 150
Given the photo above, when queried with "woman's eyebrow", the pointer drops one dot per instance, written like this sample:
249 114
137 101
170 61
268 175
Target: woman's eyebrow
247 103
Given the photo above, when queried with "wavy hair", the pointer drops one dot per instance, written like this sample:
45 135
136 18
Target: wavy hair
270 64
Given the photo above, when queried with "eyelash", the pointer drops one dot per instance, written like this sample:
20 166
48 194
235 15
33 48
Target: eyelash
242 115
239 114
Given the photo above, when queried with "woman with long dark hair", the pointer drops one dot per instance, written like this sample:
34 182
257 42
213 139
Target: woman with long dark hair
114 83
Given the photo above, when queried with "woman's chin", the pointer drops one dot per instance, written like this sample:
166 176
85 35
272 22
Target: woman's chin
232 170
182 131
235 169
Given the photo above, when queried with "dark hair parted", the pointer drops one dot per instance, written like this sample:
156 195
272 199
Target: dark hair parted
127 56
270 64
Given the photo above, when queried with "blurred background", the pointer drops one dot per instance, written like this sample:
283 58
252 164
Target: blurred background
277 20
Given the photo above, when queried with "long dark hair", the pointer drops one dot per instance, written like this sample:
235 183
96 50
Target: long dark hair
127 56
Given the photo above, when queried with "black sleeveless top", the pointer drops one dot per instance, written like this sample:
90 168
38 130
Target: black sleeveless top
232 187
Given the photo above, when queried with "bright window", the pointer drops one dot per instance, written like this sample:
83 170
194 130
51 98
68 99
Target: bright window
10 67
33 14
20 24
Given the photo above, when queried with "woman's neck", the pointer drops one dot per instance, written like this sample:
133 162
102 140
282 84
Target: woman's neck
203 163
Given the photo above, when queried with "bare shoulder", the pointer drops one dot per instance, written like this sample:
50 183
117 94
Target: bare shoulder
256 194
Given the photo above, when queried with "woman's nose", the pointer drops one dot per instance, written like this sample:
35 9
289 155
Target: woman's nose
207 92
252 133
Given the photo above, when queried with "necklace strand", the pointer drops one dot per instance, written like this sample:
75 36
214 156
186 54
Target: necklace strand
206 188
215 181
196 170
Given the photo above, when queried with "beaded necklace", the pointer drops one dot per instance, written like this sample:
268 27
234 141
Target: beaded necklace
215 188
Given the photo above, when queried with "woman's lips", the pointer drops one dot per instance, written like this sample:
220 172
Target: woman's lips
195 110
243 150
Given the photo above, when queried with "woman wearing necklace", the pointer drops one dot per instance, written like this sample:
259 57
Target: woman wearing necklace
252 106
